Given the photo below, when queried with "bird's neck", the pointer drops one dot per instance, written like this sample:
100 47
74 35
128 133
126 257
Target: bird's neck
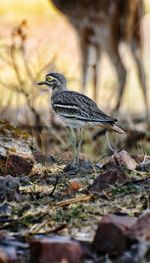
59 89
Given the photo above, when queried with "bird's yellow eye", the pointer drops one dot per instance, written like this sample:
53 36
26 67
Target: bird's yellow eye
49 78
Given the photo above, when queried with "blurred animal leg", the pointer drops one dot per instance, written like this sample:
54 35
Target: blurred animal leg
137 54
85 59
121 74
90 60
96 73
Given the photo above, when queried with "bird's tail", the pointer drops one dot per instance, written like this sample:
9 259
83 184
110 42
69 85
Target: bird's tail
112 128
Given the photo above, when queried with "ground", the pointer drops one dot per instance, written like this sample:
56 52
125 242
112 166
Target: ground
41 196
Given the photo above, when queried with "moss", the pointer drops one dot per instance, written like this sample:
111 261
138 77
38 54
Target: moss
7 129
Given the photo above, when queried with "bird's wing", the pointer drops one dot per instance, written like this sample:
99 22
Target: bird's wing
75 105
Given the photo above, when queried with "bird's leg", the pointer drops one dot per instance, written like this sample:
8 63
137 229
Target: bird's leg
79 145
73 142
108 143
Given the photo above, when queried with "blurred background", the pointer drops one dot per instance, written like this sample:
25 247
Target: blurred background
36 38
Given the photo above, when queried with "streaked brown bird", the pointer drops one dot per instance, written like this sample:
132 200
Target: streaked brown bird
101 26
76 110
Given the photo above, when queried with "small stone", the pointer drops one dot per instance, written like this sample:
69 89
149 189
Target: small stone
75 185
9 188
82 166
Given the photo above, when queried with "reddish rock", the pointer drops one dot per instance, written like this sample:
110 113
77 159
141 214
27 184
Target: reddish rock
109 239
19 164
55 250
111 235
110 177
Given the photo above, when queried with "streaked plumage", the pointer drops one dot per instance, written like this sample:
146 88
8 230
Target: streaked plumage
74 108
77 110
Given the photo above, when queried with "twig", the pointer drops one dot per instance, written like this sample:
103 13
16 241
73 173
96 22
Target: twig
56 183
81 198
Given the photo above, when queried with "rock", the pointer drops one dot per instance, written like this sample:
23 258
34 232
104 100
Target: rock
15 150
118 236
19 164
108 178
122 159
141 229
56 249
5 210
13 139
82 166
109 239
9 188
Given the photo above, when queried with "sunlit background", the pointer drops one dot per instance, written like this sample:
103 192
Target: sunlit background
51 39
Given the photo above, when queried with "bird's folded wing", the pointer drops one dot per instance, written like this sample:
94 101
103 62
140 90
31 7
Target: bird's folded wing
74 105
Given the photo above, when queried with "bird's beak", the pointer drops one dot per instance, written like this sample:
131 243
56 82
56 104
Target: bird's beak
41 83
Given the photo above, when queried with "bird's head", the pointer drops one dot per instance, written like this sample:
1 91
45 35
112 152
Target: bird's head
56 81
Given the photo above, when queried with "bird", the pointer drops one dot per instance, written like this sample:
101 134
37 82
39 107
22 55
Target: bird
76 110
101 26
